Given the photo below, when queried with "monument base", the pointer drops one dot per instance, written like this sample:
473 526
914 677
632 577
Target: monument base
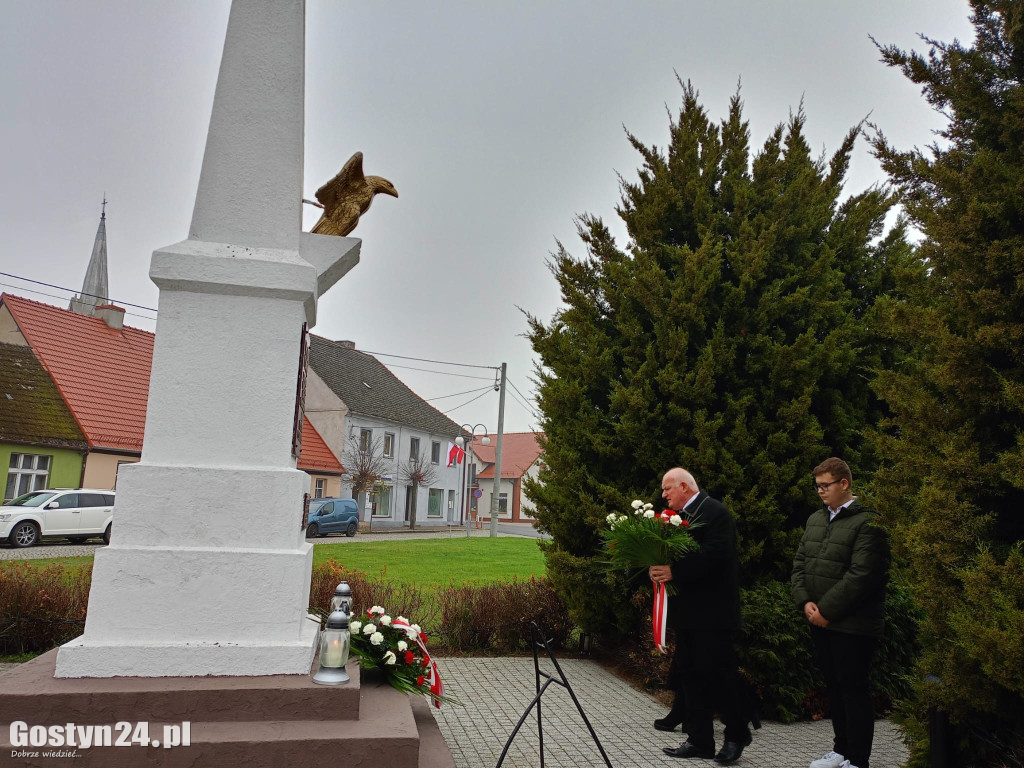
82 657
231 721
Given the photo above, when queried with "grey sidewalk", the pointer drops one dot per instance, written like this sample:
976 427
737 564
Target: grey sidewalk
495 692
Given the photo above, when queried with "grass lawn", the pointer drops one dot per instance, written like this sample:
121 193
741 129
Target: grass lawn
71 563
427 562
433 562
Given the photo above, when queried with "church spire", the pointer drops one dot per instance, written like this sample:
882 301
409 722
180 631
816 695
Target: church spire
94 288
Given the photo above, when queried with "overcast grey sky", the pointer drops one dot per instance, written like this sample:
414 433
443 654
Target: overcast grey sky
497 123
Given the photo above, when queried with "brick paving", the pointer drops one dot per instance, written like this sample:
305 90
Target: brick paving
495 692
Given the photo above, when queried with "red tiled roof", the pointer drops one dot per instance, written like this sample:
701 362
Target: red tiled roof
101 372
519 450
314 455
103 376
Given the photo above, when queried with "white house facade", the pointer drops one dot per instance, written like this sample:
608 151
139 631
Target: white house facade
357 405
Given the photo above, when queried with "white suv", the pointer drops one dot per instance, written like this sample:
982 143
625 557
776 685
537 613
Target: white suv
72 514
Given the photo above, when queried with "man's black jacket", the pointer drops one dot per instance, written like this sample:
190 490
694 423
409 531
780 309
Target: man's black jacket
707 580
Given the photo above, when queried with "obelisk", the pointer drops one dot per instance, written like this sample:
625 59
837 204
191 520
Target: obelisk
208 570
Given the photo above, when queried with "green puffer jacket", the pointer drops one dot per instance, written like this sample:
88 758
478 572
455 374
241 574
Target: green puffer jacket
843 566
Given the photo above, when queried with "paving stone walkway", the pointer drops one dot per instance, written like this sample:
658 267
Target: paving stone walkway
496 691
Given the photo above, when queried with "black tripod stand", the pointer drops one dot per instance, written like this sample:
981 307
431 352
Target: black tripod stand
540 642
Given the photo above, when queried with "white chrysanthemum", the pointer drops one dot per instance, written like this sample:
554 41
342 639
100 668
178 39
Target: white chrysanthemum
416 628
637 504
648 513
611 518
402 645
389 658
676 520
648 505
376 638
385 620
369 629
376 609
401 619
354 626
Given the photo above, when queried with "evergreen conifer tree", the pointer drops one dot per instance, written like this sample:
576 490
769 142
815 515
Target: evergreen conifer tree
952 485
733 335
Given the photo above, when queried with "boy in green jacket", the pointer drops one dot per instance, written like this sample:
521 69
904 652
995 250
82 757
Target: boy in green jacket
839 577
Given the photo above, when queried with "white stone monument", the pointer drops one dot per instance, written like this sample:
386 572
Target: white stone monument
208 570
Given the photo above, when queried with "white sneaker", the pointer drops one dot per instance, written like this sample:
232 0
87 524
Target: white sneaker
847 764
831 759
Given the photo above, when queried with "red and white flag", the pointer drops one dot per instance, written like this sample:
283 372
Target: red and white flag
455 454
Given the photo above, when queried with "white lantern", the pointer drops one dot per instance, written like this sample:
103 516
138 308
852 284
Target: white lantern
342 600
334 648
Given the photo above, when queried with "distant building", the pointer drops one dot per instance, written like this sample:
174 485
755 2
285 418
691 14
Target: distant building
100 369
41 445
357 404
520 457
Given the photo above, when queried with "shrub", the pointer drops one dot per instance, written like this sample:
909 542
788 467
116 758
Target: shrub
777 655
497 616
40 608
400 599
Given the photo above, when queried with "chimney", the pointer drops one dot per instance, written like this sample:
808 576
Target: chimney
348 344
113 316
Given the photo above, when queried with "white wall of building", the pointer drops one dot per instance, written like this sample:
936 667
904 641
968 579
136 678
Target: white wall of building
447 482
526 507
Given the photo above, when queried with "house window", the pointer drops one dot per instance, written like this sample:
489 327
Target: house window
414 448
28 472
389 445
318 492
434 500
365 439
435 452
503 503
380 502
451 500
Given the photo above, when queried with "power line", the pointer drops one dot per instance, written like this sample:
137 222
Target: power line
525 406
468 401
425 360
456 394
524 397
64 298
440 373
72 290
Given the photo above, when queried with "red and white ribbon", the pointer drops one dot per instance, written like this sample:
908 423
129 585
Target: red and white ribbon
660 618
436 686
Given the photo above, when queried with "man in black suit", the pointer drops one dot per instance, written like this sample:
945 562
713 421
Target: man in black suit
705 614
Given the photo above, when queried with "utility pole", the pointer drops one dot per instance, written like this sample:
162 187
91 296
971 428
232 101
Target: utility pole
497 455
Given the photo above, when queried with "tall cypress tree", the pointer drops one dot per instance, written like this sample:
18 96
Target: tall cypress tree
952 488
732 335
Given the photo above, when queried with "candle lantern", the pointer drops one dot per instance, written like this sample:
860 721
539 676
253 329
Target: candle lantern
334 647
342 600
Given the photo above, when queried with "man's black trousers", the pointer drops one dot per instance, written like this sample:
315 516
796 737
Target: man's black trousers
845 662
706 671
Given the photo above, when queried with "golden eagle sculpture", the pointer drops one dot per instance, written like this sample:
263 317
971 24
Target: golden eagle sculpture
347 196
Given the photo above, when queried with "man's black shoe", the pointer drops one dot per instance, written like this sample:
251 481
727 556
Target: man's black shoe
666 724
731 751
686 749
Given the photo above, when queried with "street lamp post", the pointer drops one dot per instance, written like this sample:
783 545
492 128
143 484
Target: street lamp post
464 443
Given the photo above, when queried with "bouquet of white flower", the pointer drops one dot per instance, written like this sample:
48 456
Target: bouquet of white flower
644 538
399 650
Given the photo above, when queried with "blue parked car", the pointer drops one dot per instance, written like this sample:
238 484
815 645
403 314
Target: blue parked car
332 516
